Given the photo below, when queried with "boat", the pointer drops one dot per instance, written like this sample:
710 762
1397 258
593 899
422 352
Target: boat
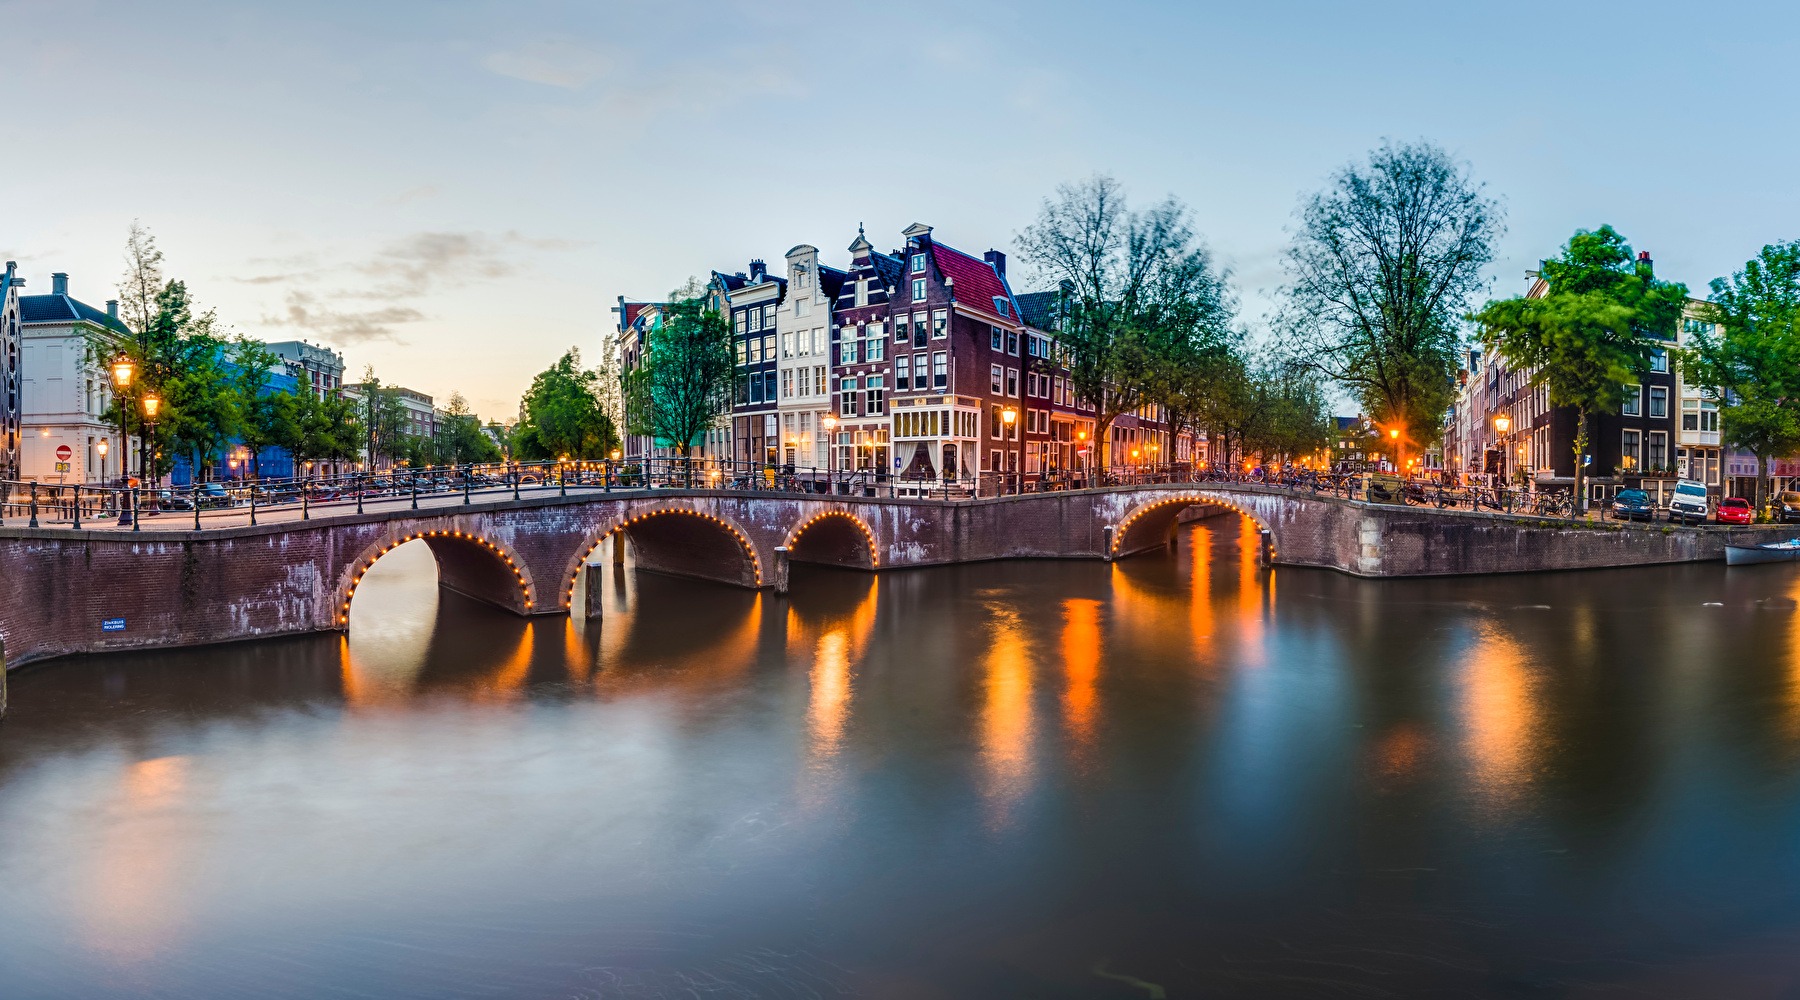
1744 555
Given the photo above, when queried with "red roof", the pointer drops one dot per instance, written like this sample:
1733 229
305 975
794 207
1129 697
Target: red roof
974 280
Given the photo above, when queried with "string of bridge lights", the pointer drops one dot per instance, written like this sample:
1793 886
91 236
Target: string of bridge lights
1118 538
749 550
868 536
363 568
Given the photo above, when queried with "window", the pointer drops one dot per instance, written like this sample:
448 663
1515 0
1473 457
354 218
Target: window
756 389
877 395
1709 417
1633 405
769 317
920 376
818 340
918 263
1629 456
1690 414
940 324
1659 401
1012 344
768 348
994 460
996 379
787 382
877 346
847 351
940 369
1657 455
918 329
902 371
1001 306
902 327
1012 382
862 291
847 397
743 352
802 307
1659 360
769 386
918 290
756 319
996 338
787 345
743 322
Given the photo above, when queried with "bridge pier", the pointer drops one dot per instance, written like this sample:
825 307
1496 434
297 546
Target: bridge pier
596 589
781 569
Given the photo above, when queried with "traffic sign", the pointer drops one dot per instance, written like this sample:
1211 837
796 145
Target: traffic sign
112 624
63 453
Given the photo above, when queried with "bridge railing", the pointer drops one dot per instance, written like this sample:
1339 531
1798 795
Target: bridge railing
224 503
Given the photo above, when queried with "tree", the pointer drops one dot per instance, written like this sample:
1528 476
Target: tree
1591 332
1133 284
687 376
460 439
266 416
1380 274
1751 358
563 414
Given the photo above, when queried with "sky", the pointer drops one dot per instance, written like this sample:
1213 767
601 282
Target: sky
457 192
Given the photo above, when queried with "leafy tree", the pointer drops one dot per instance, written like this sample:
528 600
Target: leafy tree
1380 274
1752 356
460 439
1136 285
564 414
1591 332
266 416
686 378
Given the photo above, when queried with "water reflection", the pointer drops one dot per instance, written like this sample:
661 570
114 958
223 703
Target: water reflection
978 780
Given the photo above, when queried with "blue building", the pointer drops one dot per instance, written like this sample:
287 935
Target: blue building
232 462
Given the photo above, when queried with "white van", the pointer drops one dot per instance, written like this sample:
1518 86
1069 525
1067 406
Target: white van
1688 502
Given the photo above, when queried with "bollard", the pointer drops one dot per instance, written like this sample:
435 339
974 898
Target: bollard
781 569
137 523
466 480
305 510
253 506
1106 541
77 506
194 492
1265 556
33 523
618 547
415 491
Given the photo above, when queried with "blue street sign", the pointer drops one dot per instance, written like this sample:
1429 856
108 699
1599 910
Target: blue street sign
112 625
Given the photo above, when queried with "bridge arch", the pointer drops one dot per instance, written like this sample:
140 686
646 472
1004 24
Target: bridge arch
835 538
468 563
1151 523
665 541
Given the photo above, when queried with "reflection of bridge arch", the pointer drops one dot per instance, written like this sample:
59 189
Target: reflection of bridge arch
665 541
468 563
838 538
1151 524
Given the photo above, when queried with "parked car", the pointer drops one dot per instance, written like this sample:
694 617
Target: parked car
214 495
1688 502
1787 507
171 500
1735 510
1630 505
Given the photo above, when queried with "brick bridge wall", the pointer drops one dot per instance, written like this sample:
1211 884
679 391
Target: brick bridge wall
189 588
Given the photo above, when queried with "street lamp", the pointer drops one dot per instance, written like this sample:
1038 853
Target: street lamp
122 370
152 405
1502 423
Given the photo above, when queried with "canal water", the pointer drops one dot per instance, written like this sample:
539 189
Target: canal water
1175 775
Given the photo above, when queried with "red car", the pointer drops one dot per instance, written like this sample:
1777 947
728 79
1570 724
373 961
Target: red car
1735 510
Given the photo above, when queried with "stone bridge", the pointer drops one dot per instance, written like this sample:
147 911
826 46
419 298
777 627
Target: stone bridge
59 587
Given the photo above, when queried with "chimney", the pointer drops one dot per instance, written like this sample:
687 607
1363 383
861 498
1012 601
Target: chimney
758 270
1645 266
997 259
59 284
112 308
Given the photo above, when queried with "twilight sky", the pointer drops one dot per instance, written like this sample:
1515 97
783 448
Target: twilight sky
456 191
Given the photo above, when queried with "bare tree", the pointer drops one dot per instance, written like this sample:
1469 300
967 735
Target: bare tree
1134 285
1380 274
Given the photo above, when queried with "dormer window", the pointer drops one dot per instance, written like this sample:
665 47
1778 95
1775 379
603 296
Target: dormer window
1000 305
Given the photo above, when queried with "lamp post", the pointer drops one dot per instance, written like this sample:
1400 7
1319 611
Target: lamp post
1502 424
152 405
1394 436
122 369
1010 416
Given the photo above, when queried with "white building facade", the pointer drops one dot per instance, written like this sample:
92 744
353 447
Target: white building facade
803 336
66 347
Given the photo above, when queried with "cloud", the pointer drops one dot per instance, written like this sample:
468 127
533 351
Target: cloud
419 193
366 299
557 63
344 327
